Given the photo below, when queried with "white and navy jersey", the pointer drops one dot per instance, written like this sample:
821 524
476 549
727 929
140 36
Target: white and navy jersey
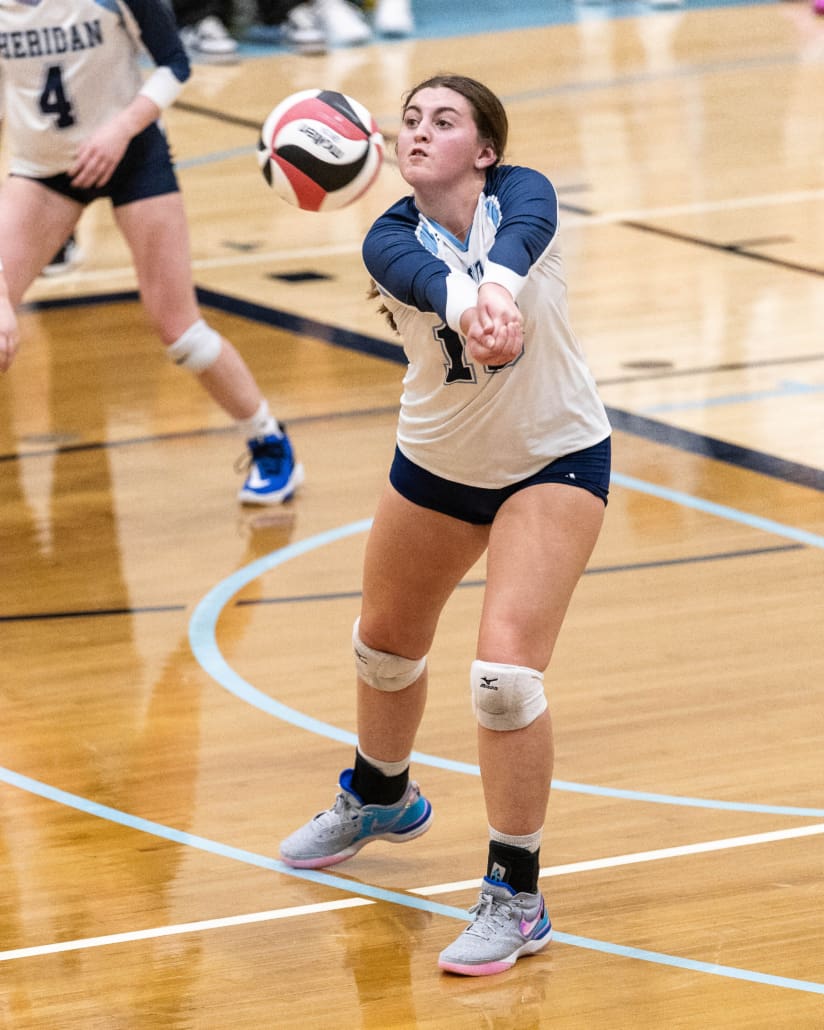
68 66
473 424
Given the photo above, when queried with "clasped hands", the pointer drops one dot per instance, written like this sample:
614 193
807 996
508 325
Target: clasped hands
494 328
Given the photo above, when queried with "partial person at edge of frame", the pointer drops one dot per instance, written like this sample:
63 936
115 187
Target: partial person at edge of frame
70 143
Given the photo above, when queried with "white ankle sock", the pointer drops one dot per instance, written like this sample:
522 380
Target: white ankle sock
262 423
528 841
387 768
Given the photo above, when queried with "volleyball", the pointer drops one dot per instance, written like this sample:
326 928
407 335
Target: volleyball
320 150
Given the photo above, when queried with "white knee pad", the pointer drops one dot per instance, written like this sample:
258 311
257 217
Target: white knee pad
197 349
506 697
381 670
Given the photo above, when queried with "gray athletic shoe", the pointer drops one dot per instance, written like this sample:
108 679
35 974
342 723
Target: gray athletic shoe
342 830
505 926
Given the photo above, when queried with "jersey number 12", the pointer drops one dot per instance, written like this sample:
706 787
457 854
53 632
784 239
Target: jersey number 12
458 369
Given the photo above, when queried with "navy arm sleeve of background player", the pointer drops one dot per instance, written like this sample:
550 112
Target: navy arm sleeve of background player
158 32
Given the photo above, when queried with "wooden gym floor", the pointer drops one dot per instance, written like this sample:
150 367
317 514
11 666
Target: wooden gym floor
175 677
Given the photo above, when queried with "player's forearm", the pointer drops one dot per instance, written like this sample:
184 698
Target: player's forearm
139 114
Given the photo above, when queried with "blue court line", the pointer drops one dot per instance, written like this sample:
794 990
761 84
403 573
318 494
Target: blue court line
203 641
192 840
722 511
715 449
592 570
784 389
688 802
212 158
204 619
678 962
374 893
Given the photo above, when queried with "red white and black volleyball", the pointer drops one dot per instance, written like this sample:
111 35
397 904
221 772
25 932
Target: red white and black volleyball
320 150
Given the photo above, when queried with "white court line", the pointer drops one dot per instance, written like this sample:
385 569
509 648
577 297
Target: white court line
441 888
169 931
698 208
570 219
644 856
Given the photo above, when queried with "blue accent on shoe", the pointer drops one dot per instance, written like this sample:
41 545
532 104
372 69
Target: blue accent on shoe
341 831
377 820
499 883
425 808
546 928
345 781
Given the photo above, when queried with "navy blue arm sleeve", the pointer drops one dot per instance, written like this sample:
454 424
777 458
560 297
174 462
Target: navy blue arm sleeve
529 210
159 34
401 266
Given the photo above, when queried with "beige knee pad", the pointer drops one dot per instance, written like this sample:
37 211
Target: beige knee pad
383 671
506 697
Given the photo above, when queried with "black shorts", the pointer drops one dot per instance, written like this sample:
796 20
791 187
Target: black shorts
146 170
588 469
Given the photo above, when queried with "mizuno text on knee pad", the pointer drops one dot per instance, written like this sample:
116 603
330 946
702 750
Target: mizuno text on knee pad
197 349
506 697
381 670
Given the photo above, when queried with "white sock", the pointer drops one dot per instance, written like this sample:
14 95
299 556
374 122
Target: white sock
262 423
387 768
529 841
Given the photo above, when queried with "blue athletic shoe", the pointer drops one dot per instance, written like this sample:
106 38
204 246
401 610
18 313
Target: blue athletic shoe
341 831
273 474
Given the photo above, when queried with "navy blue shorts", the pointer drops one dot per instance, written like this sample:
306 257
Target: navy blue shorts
146 170
588 469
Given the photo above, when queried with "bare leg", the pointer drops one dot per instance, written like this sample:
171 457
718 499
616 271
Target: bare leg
231 384
158 236
516 771
540 543
414 560
388 723
36 222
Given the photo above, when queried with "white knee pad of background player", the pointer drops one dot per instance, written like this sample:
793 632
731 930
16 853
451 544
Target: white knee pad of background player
382 670
506 697
197 349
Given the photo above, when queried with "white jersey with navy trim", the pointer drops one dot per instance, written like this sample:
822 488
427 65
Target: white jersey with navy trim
68 66
472 424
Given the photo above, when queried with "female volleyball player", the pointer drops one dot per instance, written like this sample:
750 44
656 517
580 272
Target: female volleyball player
503 446
82 124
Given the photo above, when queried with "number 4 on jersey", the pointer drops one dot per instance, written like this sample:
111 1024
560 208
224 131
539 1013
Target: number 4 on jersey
53 99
